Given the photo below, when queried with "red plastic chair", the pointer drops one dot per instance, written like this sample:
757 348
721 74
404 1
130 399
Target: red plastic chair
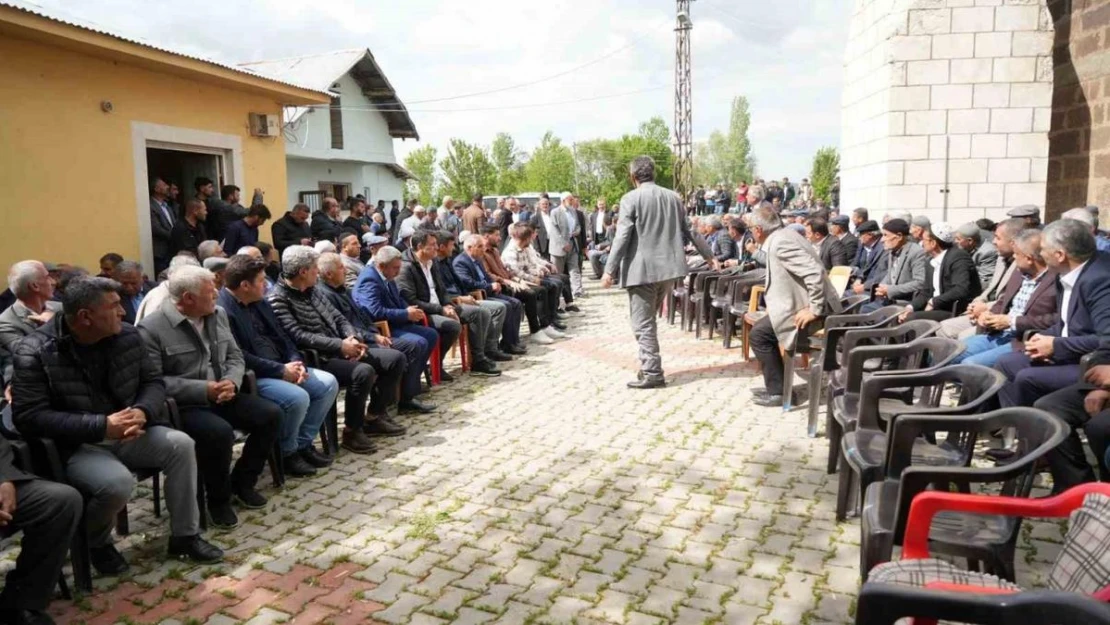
433 360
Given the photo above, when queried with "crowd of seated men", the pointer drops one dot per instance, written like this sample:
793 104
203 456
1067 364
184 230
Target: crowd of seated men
1030 300
252 343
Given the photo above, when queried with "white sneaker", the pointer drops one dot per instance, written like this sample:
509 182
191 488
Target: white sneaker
542 338
553 333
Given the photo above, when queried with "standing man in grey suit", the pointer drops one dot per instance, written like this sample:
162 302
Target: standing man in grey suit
649 253
161 223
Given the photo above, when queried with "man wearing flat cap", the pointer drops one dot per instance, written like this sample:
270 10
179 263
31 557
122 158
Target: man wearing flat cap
970 239
838 227
918 226
950 277
907 267
870 264
1031 214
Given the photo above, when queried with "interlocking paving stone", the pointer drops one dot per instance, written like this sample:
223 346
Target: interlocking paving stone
553 494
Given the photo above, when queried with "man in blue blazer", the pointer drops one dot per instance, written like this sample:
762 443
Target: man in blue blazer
376 293
469 277
1050 361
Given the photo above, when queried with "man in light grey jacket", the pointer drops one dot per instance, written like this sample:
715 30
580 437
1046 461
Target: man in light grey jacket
33 288
190 342
649 253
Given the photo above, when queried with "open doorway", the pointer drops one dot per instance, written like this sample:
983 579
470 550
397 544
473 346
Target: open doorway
182 167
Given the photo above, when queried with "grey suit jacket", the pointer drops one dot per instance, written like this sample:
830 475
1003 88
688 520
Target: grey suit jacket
160 229
907 273
560 236
1001 277
985 258
651 237
179 354
796 279
14 325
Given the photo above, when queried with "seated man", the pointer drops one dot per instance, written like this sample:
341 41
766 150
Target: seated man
950 277
1028 303
486 259
315 324
838 229
829 249
498 347
1083 404
799 295
190 342
350 251
906 275
133 288
470 276
1050 361
870 264
85 381
598 254
153 300
422 287
970 238
48 513
34 306
416 351
965 325
720 243
304 395
520 259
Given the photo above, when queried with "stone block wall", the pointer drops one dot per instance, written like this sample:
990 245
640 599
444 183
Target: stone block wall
949 95
1079 138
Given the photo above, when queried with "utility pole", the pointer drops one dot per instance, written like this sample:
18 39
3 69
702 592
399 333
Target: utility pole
683 105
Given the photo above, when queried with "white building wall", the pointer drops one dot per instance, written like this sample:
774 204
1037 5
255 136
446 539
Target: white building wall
376 182
946 89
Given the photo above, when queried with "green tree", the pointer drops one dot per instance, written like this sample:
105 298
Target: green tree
603 163
466 170
551 166
727 157
826 166
508 164
422 163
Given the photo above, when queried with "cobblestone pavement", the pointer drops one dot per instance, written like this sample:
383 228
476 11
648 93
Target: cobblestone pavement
550 495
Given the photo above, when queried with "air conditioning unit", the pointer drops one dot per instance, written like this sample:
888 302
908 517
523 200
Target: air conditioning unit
264 125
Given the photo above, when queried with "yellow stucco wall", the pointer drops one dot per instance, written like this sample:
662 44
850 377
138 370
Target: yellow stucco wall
67 172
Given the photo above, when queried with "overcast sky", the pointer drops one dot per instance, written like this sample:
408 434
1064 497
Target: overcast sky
784 56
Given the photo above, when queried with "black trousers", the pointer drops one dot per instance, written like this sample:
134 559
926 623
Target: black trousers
389 366
212 427
358 379
534 302
551 290
48 513
765 344
564 287
1068 462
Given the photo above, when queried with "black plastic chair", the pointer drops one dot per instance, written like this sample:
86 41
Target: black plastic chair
979 538
329 434
895 351
699 296
863 449
886 604
727 289
836 326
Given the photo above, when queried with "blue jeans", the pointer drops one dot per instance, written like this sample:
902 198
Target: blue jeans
986 349
304 407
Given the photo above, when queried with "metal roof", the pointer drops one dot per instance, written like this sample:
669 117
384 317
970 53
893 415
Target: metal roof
320 71
60 15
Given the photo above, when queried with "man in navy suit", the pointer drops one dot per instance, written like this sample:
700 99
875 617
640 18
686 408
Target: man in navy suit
376 293
870 265
1050 361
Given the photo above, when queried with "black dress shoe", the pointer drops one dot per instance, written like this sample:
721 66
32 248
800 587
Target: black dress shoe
499 357
250 498
296 466
516 350
315 458
107 560
223 516
485 369
767 400
558 326
415 405
573 308
444 376
648 383
383 427
194 548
